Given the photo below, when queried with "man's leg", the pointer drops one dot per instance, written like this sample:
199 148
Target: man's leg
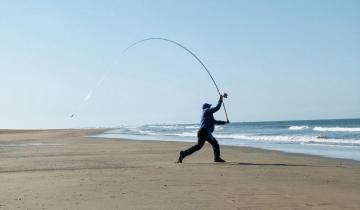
201 141
215 145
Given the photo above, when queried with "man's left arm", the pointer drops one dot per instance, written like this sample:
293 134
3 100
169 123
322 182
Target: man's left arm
219 122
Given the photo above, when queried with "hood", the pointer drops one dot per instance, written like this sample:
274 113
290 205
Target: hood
206 105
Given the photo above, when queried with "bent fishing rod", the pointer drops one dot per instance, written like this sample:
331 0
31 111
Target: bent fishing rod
191 53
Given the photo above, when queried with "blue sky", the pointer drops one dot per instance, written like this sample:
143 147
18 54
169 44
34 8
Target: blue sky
278 60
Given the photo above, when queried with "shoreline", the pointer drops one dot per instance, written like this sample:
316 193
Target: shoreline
83 172
234 147
96 132
100 131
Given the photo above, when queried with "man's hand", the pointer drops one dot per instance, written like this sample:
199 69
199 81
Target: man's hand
221 98
227 121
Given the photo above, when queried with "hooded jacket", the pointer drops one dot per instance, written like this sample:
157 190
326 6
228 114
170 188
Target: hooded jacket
208 121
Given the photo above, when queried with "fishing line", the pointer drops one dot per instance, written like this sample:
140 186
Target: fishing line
90 93
88 96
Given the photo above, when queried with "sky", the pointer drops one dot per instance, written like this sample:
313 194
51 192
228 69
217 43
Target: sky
277 60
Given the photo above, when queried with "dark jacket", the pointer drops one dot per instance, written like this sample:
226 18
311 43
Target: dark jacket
207 119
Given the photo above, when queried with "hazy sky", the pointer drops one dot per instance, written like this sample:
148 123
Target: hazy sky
278 60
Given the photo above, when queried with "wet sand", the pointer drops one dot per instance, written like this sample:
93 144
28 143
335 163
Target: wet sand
64 169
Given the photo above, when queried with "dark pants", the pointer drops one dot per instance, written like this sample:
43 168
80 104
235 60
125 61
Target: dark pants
204 136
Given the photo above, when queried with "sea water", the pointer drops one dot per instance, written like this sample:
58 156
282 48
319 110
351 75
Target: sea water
332 138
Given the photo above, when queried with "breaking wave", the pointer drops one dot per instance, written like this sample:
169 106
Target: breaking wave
336 129
297 127
292 139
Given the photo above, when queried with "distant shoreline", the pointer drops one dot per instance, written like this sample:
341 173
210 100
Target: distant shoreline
181 123
97 132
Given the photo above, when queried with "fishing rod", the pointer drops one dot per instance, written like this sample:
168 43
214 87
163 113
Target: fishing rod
191 53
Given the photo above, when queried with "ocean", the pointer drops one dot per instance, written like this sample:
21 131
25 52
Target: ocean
338 138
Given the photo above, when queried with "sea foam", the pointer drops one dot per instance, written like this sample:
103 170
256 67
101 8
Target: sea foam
336 129
291 139
297 127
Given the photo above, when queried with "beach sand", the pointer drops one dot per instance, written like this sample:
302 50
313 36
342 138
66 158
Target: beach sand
64 169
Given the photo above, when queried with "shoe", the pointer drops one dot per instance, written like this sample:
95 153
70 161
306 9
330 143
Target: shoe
181 157
219 160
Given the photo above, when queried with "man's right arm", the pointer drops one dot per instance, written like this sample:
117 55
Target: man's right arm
215 109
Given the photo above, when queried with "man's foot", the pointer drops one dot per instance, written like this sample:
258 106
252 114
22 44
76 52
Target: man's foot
181 157
219 160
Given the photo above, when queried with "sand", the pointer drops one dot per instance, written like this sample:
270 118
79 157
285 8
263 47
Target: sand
64 169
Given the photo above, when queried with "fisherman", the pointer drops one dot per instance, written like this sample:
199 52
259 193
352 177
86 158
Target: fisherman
207 126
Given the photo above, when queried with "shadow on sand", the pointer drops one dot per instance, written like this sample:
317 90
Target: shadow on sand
265 164
254 164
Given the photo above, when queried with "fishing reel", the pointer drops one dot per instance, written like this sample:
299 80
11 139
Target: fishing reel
225 95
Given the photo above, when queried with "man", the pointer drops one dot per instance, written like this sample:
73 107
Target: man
207 126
